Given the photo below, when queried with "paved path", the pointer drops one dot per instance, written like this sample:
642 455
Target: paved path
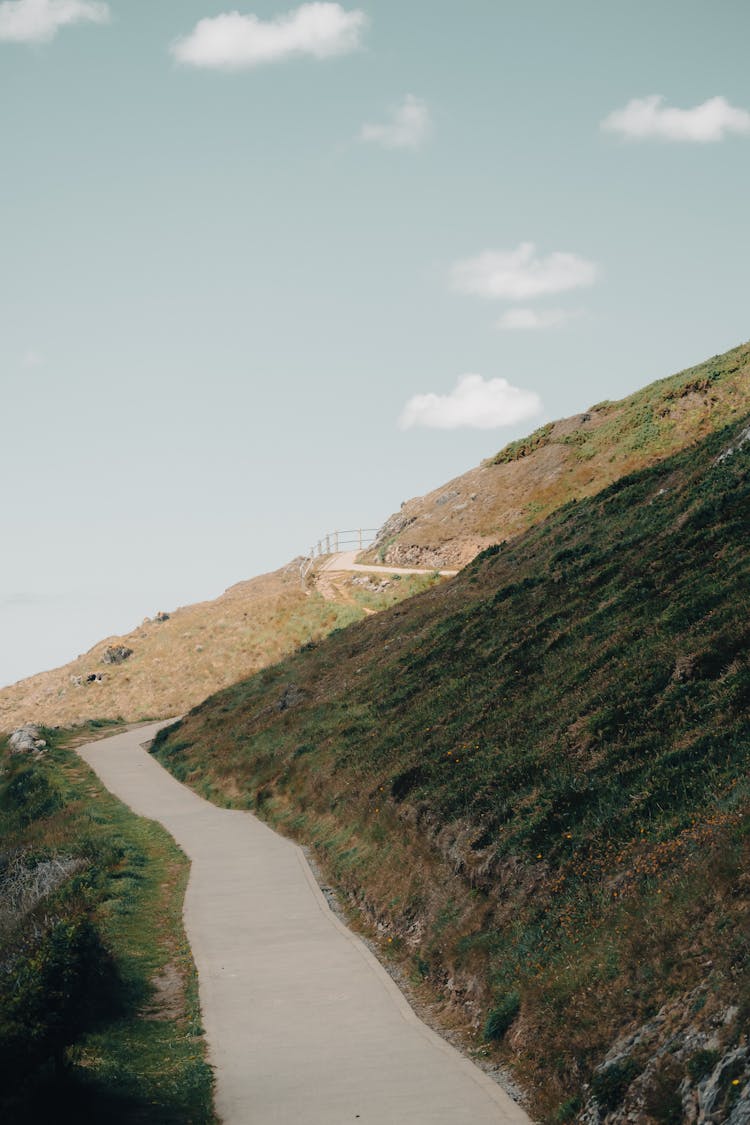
344 560
304 1026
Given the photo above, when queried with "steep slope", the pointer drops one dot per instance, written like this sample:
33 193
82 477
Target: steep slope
562 461
532 781
177 659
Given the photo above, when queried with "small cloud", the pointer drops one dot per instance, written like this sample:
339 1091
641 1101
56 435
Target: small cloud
31 359
38 21
522 320
232 41
476 403
520 275
409 127
648 118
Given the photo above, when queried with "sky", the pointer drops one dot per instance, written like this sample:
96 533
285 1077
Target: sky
270 271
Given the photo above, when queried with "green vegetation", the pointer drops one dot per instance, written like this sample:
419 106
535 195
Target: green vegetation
502 1016
522 447
540 767
99 1016
656 419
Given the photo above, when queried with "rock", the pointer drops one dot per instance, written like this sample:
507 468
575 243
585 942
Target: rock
26 740
116 654
446 497
290 697
372 584
94 678
741 440
161 616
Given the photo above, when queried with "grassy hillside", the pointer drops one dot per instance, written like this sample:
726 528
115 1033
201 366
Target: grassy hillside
174 663
99 1016
532 782
565 460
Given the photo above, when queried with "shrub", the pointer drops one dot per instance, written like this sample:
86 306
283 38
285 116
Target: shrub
610 1085
701 1064
501 1017
32 795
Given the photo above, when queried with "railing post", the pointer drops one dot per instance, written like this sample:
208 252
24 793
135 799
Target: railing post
360 538
328 544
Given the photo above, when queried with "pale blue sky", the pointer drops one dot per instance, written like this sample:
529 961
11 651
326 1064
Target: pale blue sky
216 298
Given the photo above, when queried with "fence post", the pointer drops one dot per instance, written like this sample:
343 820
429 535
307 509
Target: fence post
328 544
360 538
336 541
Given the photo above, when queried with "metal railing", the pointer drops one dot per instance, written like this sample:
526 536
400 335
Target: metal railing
358 538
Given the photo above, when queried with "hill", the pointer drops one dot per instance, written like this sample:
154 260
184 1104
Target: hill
563 461
174 660
531 783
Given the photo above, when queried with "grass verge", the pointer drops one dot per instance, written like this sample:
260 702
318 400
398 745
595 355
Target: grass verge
99 1013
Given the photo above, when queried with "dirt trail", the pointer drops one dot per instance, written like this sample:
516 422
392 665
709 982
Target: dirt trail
303 1024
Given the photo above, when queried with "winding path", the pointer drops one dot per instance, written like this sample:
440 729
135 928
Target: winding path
345 560
304 1026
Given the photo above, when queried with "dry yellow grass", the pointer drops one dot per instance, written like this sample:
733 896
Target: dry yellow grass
178 662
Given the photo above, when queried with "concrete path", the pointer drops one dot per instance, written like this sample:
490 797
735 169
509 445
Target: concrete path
304 1027
344 560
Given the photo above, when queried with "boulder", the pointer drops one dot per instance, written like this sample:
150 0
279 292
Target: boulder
26 740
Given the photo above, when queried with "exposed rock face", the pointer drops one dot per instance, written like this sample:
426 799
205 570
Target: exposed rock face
27 740
116 654
741 440
643 1077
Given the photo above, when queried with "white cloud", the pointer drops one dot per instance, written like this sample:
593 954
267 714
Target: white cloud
522 319
38 21
477 403
232 41
519 275
646 118
410 125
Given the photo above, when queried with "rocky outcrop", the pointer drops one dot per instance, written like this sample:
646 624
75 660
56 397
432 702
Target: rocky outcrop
27 740
116 654
685 1064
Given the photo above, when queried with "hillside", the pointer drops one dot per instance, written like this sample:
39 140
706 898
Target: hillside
177 662
563 461
531 783
179 658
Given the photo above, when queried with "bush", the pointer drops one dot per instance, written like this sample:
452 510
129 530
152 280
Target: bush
501 1017
31 795
701 1064
610 1085
61 987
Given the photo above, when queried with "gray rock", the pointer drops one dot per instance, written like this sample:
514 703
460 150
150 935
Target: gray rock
26 740
742 439
116 654
290 697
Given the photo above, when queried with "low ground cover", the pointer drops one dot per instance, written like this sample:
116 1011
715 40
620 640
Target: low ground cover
99 1015
532 784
